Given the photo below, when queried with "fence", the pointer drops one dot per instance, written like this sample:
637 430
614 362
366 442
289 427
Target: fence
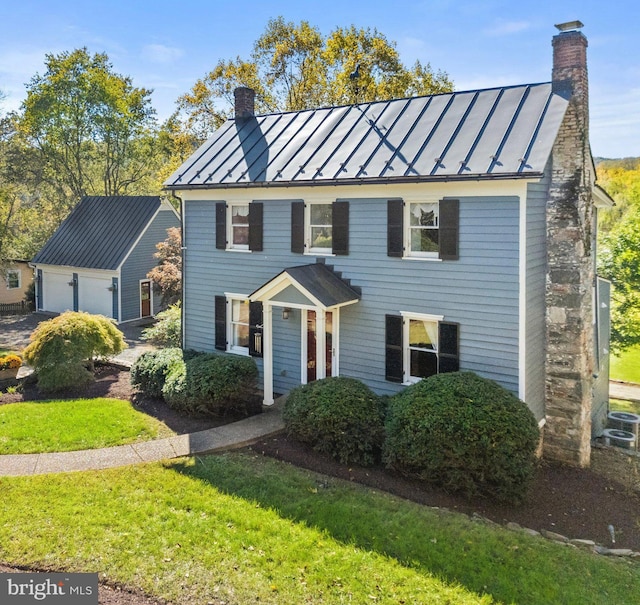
19 308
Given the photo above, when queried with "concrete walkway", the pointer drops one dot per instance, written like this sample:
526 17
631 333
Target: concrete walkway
227 437
628 391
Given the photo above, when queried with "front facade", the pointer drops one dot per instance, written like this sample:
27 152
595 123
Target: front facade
387 242
98 260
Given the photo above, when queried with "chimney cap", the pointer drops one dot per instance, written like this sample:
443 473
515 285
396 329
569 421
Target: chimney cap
569 26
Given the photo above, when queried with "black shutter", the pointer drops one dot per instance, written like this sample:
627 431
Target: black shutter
340 220
448 347
255 329
297 227
395 231
221 225
449 227
221 323
255 226
393 348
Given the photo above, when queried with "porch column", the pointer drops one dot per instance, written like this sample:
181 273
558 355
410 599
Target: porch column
267 352
321 344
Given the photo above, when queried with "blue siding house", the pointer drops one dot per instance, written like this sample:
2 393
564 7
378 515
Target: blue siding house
392 240
98 259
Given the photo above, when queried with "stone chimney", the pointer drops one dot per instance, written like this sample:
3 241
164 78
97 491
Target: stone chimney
570 261
244 102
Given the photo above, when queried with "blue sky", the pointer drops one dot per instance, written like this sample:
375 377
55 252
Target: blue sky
168 45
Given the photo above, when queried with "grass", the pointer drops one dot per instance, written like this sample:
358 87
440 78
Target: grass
626 366
76 424
242 528
622 405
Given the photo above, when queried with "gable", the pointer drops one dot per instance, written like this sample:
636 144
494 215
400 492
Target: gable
99 232
500 132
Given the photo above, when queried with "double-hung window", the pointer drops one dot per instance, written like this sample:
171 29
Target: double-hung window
422 232
319 228
238 326
13 279
238 226
418 346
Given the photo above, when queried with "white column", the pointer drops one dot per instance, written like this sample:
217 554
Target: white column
321 343
267 352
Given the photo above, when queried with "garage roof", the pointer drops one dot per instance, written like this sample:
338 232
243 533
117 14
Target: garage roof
99 232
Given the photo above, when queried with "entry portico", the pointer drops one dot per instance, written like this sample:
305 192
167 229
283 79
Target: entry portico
318 293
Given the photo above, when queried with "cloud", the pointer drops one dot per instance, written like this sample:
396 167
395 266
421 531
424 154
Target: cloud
507 28
159 53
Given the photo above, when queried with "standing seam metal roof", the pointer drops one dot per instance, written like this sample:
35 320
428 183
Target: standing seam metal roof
99 232
496 132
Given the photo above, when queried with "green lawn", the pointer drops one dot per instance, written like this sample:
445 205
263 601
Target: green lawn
626 366
76 424
242 529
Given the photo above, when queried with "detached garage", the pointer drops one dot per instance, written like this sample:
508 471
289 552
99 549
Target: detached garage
98 259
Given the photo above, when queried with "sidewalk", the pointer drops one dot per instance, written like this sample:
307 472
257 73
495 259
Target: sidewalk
231 436
628 391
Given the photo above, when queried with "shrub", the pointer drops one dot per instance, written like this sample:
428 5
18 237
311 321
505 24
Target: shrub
213 384
167 331
150 370
62 349
338 416
465 433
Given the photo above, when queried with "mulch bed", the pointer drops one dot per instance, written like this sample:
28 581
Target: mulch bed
577 503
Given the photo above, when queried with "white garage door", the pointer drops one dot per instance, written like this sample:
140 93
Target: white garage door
93 295
58 294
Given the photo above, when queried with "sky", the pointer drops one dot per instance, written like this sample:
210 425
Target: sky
167 45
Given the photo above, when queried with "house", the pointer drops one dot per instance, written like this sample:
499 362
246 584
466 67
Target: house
392 240
18 276
98 259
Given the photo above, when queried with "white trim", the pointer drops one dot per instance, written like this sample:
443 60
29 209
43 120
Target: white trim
421 316
230 298
267 352
229 224
17 272
522 298
407 230
407 316
320 343
140 282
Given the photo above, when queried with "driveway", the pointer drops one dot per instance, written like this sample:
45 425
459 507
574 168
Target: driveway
15 331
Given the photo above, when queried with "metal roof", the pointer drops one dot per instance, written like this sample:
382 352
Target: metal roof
318 281
99 232
497 132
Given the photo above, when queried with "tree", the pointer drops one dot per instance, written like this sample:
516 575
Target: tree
619 262
293 67
91 127
167 275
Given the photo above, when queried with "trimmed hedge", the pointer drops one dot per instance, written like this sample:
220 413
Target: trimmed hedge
337 416
213 384
150 370
464 433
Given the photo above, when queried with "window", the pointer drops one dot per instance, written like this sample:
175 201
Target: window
13 279
422 232
239 226
423 229
419 346
320 228
238 325
238 336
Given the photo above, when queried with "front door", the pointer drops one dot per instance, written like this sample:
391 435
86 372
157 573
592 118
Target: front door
312 361
145 298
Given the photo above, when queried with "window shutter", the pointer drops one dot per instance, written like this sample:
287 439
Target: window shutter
297 227
221 323
395 231
255 226
448 347
449 229
255 329
393 348
221 225
340 220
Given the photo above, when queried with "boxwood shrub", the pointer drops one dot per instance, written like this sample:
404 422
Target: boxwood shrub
338 416
464 433
213 384
149 371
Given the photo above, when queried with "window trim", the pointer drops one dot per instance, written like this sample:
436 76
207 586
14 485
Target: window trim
232 348
408 229
308 249
18 274
229 226
406 345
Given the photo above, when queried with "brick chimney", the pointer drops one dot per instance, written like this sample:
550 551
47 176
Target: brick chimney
244 102
570 261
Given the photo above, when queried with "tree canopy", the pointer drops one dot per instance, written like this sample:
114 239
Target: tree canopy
294 67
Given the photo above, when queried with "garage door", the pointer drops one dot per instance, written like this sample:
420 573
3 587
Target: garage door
58 294
94 296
